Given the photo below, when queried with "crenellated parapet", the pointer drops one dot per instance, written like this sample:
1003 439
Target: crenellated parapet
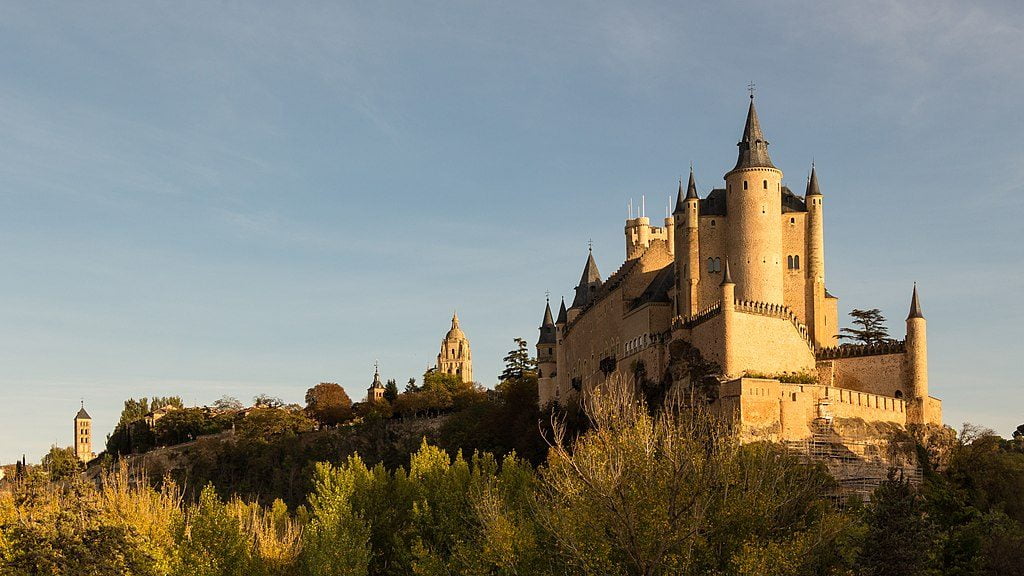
688 322
776 311
860 350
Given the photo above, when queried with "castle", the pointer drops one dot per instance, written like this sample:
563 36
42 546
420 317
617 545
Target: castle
738 276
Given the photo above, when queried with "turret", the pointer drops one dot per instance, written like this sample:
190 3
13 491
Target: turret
753 203
824 335
728 295
687 251
586 290
546 358
917 365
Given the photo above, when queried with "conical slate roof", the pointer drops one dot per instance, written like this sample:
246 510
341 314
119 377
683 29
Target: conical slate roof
589 283
680 204
812 184
691 188
547 328
563 315
727 275
915 306
753 146
82 414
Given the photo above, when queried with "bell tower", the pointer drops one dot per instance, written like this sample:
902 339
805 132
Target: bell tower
83 435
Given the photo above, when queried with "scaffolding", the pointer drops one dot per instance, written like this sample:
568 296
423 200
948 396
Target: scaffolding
859 465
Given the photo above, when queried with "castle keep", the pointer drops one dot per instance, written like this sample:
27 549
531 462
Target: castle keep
738 276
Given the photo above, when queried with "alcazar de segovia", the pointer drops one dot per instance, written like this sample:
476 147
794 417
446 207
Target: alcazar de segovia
739 276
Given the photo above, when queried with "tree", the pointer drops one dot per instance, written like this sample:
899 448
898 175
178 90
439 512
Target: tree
391 391
267 401
518 362
179 426
328 404
411 387
264 423
872 327
228 404
61 463
899 540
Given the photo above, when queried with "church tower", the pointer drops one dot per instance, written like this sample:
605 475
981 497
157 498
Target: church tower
754 239
455 357
83 435
375 393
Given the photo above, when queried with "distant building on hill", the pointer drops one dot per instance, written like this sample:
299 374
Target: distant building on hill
455 357
375 393
83 435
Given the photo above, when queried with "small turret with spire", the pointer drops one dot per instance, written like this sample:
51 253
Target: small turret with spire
753 147
919 410
590 281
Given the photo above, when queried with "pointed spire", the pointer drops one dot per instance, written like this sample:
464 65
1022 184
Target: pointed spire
376 377
455 319
548 321
590 273
915 306
691 187
680 204
589 282
563 315
727 275
812 183
547 328
753 146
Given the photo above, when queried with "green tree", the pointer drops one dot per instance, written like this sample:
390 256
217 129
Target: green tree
518 362
899 539
267 401
336 540
228 404
328 404
185 425
211 541
61 463
391 391
872 327
265 423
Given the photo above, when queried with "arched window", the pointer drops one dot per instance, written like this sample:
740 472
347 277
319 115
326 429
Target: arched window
744 184
789 262
765 184
711 265
796 262
718 264
712 223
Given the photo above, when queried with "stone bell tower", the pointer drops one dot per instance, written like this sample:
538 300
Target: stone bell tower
455 357
83 435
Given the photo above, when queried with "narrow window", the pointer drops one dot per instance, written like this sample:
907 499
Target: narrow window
796 262
744 184
789 262
718 264
765 184
712 223
792 220
711 265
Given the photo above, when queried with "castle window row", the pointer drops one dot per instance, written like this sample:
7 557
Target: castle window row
714 265
793 262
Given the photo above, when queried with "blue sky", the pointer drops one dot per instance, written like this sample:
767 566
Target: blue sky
209 198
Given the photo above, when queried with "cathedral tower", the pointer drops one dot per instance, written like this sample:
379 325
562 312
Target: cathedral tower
455 357
83 435
753 189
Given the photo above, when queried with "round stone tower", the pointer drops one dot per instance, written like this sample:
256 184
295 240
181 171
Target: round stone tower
754 208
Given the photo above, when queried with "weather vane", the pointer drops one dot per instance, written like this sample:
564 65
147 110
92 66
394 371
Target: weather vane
751 88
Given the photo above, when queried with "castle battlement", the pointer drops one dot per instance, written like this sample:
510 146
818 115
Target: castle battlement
858 350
